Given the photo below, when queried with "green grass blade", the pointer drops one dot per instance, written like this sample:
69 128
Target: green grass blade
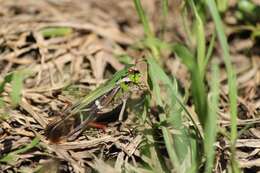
186 56
178 146
15 78
56 31
211 124
12 157
165 5
156 159
33 143
17 85
155 72
7 79
222 5
231 77
150 38
201 42
210 50
197 85
143 18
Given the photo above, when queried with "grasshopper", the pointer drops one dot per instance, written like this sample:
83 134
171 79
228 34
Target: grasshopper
75 118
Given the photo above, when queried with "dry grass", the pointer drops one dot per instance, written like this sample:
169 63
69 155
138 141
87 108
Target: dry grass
60 69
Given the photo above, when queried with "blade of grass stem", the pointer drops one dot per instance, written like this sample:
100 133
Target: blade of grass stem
165 5
143 18
13 156
56 31
153 70
177 146
210 49
232 88
197 84
211 124
149 35
201 42
17 84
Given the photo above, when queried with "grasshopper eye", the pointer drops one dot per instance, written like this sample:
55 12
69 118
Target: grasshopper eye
133 71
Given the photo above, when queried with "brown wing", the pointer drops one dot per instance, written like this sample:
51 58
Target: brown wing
56 130
69 124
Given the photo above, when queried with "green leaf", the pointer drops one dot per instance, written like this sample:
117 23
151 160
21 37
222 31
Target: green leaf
185 55
201 42
149 35
56 31
177 145
143 18
248 11
17 85
33 143
12 157
7 79
232 83
210 50
124 59
222 5
211 124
